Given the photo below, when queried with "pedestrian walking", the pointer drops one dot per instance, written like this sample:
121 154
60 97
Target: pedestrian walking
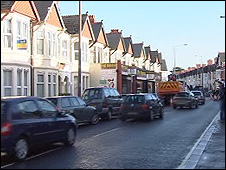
222 100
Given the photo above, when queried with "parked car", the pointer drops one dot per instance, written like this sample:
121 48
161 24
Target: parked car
185 99
200 96
106 100
27 122
76 107
144 106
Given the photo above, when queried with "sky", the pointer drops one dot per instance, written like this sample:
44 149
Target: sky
164 25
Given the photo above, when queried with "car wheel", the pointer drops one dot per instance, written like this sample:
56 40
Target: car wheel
95 119
70 137
174 107
21 149
109 114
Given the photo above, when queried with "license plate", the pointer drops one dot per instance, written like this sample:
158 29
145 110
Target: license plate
132 113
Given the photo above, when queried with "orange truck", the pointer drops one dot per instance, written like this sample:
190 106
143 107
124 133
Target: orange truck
167 90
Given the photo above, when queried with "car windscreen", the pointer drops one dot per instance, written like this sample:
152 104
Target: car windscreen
3 111
197 93
182 95
53 100
92 94
134 99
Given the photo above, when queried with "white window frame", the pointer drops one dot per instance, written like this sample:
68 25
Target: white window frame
64 48
41 83
19 82
58 47
7 32
49 43
25 82
76 51
40 37
54 85
49 85
10 86
18 30
54 45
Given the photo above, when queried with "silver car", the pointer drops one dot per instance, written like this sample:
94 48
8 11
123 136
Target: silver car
200 96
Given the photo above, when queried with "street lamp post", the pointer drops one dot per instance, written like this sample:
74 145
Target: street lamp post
174 51
80 55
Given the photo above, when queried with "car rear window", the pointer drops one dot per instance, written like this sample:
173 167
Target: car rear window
3 111
197 93
54 101
182 95
92 94
135 99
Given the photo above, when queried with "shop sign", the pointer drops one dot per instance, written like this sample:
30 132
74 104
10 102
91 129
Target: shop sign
132 71
151 76
108 66
103 82
141 73
125 69
22 44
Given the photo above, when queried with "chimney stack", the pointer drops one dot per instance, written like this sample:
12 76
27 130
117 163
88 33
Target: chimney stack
210 62
92 18
115 31
198 65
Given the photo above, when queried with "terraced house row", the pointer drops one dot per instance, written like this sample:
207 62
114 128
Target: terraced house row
39 53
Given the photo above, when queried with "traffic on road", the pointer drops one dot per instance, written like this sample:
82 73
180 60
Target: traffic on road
35 129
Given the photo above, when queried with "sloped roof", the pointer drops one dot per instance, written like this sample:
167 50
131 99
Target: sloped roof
147 52
43 8
127 41
163 65
5 5
96 28
154 55
137 48
160 57
72 23
113 40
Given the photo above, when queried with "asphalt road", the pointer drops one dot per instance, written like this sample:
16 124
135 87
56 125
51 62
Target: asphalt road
160 144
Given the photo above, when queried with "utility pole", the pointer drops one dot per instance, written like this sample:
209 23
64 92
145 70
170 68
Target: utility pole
80 52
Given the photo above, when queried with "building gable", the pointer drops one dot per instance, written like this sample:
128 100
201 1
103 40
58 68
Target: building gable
130 50
142 55
25 8
101 38
53 18
120 45
87 31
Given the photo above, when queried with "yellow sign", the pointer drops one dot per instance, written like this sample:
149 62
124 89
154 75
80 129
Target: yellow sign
22 44
108 66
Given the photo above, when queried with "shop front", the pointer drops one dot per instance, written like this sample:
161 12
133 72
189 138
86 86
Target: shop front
151 82
142 83
126 80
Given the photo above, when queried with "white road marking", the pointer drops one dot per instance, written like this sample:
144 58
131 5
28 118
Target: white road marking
35 156
106 132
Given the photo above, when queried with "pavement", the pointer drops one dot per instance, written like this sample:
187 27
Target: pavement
209 150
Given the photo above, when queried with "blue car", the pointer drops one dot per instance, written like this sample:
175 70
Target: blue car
27 122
